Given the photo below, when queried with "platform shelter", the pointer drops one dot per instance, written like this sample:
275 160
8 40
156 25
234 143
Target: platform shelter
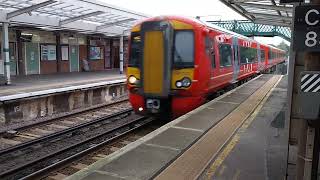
53 36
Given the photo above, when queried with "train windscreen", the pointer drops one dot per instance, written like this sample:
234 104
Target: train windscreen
183 54
135 50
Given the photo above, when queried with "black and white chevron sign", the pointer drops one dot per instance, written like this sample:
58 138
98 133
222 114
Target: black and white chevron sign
310 82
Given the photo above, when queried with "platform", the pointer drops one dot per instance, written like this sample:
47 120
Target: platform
33 83
259 148
35 98
188 147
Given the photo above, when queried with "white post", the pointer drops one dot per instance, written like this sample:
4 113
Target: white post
5 51
121 54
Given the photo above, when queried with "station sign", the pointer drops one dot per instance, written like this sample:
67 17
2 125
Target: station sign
306 35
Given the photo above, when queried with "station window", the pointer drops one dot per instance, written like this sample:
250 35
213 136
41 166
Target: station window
183 49
262 55
225 55
48 52
248 55
135 50
209 42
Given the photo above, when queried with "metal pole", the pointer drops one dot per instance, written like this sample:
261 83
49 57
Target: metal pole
5 50
121 54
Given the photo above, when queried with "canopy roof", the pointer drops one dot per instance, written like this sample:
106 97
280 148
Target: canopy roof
268 12
87 16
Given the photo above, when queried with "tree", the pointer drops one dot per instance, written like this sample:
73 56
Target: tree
284 47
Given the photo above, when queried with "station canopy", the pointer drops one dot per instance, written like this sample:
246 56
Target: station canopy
269 12
86 16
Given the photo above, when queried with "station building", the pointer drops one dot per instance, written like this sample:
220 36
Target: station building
36 51
50 37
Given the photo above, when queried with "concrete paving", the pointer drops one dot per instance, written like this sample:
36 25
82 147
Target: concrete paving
32 83
194 160
149 156
261 151
208 117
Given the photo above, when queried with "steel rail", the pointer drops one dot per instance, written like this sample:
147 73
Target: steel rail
64 150
58 133
40 173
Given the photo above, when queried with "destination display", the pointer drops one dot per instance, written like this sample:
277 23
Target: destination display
307 28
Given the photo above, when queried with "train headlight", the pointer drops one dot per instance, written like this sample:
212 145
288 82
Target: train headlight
179 84
186 82
132 80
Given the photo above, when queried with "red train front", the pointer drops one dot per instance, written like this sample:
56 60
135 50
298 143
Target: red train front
175 63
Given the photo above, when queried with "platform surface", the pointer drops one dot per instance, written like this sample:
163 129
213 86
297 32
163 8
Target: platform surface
261 148
32 83
183 148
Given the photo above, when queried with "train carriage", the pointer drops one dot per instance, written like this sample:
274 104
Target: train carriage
175 63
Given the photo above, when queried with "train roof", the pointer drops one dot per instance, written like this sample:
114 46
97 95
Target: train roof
208 25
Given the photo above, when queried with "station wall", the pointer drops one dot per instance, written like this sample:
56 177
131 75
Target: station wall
35 51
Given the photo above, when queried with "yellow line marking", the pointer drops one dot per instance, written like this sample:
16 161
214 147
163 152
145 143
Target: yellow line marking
236 175
217 163
222 170
226 151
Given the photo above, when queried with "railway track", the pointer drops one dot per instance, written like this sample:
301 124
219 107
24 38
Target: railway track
27 158
29 133
90 156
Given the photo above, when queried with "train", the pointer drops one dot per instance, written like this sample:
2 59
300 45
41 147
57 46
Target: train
175 63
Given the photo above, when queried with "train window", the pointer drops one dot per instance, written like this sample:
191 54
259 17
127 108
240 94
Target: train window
271 54
135 50
248 55
225 55
183 50
262 55
209 43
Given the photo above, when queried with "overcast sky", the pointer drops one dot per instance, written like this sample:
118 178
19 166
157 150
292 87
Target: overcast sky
206 9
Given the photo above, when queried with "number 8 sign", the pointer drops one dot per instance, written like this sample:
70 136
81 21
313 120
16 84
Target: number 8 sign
311 39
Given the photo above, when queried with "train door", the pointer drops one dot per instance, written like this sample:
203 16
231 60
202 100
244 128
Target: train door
211 53
259 68
236 65
226 62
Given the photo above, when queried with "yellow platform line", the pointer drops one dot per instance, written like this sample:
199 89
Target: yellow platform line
229 147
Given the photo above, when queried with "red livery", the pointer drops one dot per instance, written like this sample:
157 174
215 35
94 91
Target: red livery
175 63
